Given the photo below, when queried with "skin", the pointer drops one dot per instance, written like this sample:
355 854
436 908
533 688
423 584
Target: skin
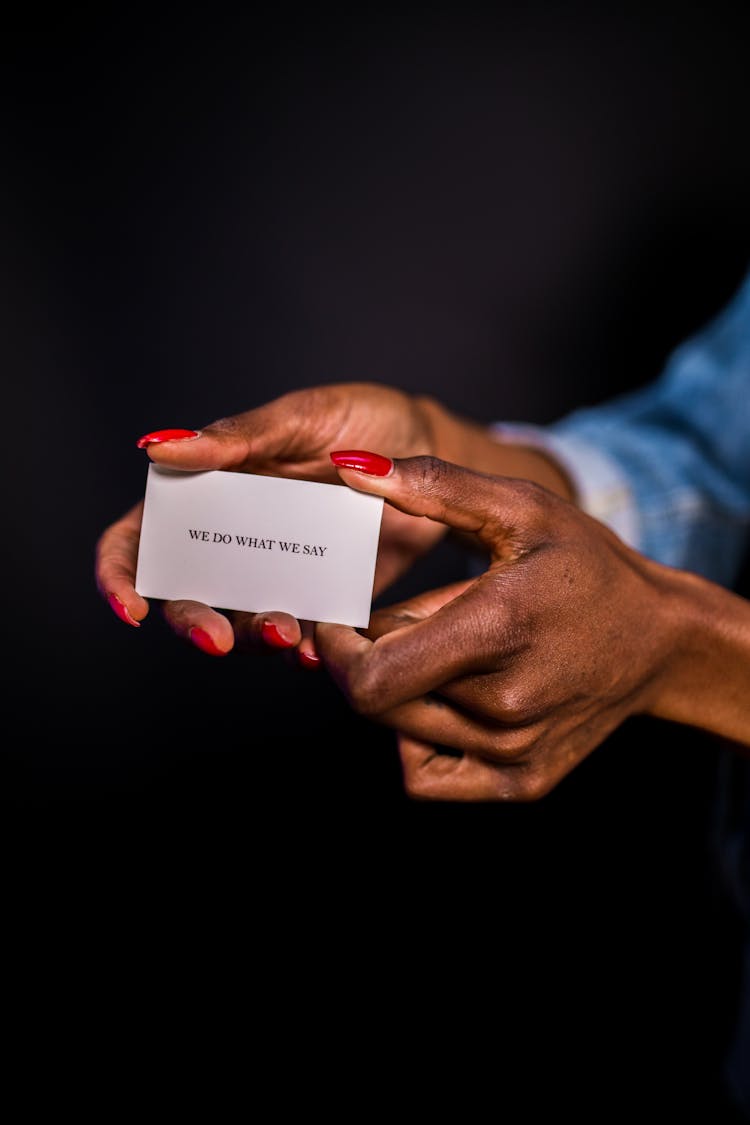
499 686
525 670
293 437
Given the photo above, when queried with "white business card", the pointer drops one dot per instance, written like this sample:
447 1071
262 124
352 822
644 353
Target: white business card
256 543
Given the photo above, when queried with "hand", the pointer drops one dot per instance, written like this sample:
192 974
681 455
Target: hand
524 671
291 436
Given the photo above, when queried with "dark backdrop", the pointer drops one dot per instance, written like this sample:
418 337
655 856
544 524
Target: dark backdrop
516 214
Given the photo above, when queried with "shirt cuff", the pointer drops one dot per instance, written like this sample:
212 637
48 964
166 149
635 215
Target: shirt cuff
600 485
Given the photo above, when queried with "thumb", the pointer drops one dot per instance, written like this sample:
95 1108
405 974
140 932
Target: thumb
222 445
285 430
493 508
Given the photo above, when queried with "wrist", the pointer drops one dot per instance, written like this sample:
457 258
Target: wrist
704 680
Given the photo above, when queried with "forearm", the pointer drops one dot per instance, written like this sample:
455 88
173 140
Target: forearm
706 683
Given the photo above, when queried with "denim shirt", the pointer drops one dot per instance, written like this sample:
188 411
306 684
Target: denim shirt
668 469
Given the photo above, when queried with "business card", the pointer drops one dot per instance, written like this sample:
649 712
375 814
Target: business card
257 543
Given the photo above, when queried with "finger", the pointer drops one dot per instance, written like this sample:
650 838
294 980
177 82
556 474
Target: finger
430 775
542 755
472 633
273 629
204 627
116 559
500 511
436 721
411 610
217 635
483 695
290 434
220 446
307 652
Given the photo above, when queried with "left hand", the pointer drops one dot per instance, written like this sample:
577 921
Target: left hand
523 671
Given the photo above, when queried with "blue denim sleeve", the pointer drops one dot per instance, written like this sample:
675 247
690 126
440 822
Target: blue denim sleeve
668 467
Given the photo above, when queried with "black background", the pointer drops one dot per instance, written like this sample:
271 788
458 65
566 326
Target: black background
517 214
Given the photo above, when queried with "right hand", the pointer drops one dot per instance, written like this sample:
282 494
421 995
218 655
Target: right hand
500 685
291 437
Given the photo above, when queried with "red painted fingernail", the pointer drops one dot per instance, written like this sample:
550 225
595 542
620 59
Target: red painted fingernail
273 637
122 611
363 462
166 435
202 640
309 659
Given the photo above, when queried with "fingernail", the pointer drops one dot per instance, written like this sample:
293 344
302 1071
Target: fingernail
363 462
202 640
166 435
309 659
272 636
122 611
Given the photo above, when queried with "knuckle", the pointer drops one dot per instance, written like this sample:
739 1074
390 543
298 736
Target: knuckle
232 433
430 469
514 705
367 690
535 497
430 475
534 785
439 484
414 785
224 427
531 493
108 539
535 502
523 745
513 746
